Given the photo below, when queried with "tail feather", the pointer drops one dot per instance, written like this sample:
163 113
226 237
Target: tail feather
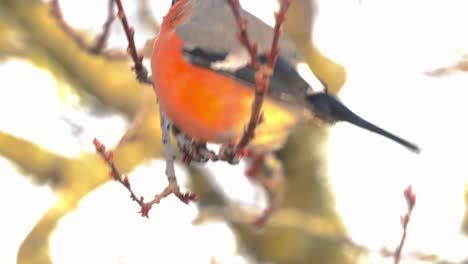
330 109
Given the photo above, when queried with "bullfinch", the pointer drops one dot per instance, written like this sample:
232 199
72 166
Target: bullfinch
205 83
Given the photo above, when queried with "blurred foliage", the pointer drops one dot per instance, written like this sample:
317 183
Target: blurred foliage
298 26
27 30
461 65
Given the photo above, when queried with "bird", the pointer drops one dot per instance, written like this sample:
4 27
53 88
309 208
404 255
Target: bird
205 83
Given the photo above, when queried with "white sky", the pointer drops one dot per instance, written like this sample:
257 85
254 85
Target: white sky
385 45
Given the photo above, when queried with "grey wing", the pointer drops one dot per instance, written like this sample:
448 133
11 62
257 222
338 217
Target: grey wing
223 52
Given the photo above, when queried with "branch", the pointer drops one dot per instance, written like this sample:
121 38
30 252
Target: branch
267 170
411 201
140 70
263 72
42 166
172 187
417 255
243 35
115 174
56 12
102 38
142 77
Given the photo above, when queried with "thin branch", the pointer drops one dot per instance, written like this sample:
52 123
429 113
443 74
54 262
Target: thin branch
310 225
263 72
267 170
195 150
411 201
101 39
172 187
56 12
142 77
115 174
417 255
140 70
243 36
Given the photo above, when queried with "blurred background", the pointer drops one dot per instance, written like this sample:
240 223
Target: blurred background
400 64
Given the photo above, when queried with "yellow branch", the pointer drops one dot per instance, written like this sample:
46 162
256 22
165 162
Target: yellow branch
298 26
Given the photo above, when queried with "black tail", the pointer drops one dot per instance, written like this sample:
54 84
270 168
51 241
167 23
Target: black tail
330 109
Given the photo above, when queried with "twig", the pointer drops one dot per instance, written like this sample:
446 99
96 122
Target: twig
410 197
263 72
172 188
243 36
108 157
140 70
56 11
102 38
195 150
418 255
142 76
267 170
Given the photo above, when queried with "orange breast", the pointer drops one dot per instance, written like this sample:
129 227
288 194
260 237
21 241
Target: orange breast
204 105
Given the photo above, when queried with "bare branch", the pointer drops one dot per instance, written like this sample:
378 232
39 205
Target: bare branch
411 201
56 11
140 70
101 39
263 73
172 188
115 174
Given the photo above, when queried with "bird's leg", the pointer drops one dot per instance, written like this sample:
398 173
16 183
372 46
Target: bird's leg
267 170
230 153
192 150
173 186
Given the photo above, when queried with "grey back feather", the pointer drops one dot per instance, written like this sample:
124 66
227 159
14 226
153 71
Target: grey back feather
286 85
220 25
